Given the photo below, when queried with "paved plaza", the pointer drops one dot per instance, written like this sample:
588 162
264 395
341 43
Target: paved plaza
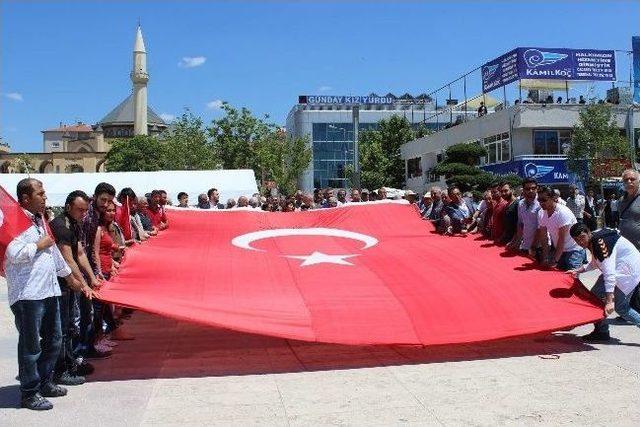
177 373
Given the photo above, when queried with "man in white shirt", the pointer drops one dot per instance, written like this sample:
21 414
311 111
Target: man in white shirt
33 264
556 219
576 202
619 261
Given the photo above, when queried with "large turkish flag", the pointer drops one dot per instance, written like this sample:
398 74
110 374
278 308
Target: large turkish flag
361 274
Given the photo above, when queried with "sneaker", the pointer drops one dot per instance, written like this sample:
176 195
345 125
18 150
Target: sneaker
52 390
36 402
103 344
102 347
96 354
107 341
68 378
596 336
83 368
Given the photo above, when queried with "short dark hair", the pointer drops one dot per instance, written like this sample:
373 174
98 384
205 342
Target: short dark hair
127 192
74 195
529 180
210 192
182 194
494 184
450 189
155 193
25 186
578 228
162 192
503 183
547 191
104 187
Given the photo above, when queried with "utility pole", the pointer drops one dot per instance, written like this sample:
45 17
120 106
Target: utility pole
355 116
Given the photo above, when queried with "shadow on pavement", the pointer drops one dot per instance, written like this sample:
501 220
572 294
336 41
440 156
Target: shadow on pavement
166 348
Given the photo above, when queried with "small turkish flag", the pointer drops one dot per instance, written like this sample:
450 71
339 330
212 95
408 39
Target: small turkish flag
13 221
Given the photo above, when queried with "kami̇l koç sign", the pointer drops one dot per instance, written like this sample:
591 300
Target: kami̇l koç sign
549 63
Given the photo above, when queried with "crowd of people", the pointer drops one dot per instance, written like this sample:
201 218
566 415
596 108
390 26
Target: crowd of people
56 267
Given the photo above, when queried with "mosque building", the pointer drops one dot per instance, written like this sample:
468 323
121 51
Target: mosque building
79 147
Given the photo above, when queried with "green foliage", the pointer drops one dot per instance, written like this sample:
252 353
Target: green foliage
282 159
379 152
186 146
140 153
235 135
597 147
23 163
460 167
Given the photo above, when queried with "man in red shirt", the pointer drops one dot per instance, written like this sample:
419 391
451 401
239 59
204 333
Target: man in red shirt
497 213
156 213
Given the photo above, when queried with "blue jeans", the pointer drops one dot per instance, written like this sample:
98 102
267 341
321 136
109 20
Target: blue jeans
621 304
571 260
39 341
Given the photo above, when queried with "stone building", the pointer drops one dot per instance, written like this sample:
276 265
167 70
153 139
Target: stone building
82 148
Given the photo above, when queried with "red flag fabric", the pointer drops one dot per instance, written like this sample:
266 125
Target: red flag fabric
123 218
13 221
362 274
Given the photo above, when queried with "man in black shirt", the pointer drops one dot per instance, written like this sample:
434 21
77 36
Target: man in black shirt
66 230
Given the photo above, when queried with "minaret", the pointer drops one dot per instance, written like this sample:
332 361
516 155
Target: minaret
139 77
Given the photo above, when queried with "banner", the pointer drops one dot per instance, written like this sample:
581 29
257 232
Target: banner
360 274
545 171
549 63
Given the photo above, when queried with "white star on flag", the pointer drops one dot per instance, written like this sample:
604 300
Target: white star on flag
320 258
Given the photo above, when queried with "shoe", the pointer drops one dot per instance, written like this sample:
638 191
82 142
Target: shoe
104 344
95 354
596 336
70 379
102 347
52 390
36 403
83 368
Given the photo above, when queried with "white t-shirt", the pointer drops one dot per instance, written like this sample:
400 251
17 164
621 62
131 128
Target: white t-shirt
561 216
621 268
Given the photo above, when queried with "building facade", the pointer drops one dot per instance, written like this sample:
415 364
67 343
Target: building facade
82 148
530 140
328 124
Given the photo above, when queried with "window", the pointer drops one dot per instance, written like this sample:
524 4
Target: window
498 148
55 144
414 169
551 141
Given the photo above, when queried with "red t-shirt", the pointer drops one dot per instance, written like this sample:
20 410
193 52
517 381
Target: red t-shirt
497 219
156 216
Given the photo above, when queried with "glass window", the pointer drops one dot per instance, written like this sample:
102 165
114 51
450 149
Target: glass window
565 140
506 150
492 153
545 142
414 170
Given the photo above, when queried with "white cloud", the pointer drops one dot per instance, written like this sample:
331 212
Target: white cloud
167 117
324 88
216 104
192 61
15 96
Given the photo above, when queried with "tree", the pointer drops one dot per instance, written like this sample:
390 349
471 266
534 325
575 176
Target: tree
460 167
140 153
598 150
379 152
23 163
186 146
235 135
282 159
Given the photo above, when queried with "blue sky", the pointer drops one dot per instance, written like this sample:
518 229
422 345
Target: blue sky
68 61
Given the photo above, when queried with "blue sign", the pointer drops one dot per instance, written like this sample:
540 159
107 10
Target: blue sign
545 171
635 43
501 71
549 63
331 99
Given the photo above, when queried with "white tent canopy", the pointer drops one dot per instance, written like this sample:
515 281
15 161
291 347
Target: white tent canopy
230 183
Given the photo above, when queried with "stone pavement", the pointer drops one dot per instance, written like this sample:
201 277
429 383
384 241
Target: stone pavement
177 373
